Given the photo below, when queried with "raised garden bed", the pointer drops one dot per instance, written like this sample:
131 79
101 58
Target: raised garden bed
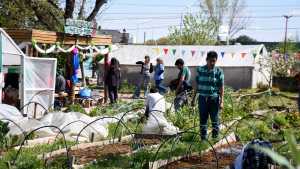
208 159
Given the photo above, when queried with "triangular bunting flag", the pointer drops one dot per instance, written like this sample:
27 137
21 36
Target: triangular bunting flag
254 55
202 53
193 52
243 55
182 52
232 54
222 54
174 51
166 50
157 51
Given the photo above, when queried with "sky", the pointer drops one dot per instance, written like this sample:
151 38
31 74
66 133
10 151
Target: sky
154 17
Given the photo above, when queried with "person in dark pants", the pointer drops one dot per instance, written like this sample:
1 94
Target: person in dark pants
159 76
112 80
146 70
210 87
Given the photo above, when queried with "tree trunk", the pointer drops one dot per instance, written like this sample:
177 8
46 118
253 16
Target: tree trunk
69 9
81 11
98 5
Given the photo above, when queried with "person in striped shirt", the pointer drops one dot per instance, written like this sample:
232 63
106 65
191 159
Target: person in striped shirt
210 88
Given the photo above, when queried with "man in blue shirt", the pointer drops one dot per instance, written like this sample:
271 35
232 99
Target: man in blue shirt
210 87
159 76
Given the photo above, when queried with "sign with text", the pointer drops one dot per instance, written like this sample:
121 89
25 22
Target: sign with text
79 27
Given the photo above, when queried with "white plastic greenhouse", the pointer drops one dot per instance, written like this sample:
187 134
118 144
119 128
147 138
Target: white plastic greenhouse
35 77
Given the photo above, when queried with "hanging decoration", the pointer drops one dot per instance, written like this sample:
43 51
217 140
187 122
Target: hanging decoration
75 65
58 47
243 55
254 55
222 54
174 51
202 53
40 50
183 52
193 52
232 54
166 51
157 51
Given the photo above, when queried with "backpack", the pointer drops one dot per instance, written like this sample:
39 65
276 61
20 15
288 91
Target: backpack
254 159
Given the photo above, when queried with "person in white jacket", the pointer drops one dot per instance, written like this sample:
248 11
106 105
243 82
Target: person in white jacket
156 121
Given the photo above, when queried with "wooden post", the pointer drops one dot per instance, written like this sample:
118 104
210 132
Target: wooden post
105 72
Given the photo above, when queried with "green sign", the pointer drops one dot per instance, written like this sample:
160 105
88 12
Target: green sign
79 27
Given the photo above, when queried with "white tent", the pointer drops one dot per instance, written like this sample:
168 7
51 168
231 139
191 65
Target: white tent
37 74
232 57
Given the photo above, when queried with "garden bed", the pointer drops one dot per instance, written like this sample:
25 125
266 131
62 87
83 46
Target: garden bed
208 159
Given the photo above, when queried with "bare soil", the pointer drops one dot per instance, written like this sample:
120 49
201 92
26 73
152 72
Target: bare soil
205 161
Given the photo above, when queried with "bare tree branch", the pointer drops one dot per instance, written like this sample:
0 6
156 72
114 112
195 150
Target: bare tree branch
81 10
98 5
69 9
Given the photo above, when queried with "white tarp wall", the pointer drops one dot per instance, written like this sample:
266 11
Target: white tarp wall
39 84
229 56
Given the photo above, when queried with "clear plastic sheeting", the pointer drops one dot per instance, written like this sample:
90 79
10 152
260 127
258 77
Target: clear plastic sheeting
10 112
72 123
39 85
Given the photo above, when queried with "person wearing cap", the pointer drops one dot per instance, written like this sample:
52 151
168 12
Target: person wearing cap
210 88
146 70
159 76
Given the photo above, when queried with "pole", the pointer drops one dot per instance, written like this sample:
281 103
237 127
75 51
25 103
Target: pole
285 36
105 73
144 38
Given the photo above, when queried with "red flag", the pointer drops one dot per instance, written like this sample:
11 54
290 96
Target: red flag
166 50
243 55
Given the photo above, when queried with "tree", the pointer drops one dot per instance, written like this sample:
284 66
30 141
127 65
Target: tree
226 12
197 30
245 40
160 41
44 14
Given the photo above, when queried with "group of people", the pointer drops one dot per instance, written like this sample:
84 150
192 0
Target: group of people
209 80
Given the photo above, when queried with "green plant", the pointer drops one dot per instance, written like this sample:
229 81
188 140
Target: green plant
76 108
3 132
126 87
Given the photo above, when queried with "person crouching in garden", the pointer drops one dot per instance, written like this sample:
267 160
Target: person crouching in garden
113 79
146 70
159 76
210 87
